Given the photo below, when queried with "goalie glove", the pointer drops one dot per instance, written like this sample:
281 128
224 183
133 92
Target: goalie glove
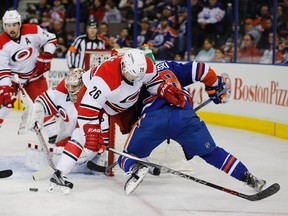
94 137
213 90
43 63
172 94
7 98
37 115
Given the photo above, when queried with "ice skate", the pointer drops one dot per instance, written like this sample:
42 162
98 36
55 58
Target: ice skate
253 182
59 183
138 173
154 171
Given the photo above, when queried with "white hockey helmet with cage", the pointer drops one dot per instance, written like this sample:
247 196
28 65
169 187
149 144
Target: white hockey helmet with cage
73 82
10 17
133 64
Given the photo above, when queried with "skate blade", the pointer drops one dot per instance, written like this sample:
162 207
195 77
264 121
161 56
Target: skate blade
131 186
58 189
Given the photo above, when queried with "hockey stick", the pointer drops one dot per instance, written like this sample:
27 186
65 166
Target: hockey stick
5 173
210 100
274 188
98 168
27 103
49 170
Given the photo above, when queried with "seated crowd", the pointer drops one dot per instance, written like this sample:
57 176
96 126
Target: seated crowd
163 25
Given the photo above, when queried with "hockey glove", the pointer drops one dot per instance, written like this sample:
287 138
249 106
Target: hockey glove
43 63
37 115
94 137
7 98
212 91
172 94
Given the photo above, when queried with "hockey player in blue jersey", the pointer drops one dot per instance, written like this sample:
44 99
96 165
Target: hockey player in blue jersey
160 120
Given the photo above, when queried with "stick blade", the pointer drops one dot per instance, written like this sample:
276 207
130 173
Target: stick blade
42 174
6 173
271 190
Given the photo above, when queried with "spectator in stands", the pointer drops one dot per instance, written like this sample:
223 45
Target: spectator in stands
219 56
57 12
149 9
31 15
124 40
112 13
197 35
192 55
126 8
45 22
249 52
76 53
264 14
145 33
282 24
267 56
211 19
58 29
208 52
283 47
104 35
263 43
61 49
42 7
249 28
167 12
163 41
97 10
182 31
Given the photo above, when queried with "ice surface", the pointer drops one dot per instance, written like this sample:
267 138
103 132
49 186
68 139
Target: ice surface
265 156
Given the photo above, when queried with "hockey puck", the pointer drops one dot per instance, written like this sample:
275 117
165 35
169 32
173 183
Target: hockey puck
33 189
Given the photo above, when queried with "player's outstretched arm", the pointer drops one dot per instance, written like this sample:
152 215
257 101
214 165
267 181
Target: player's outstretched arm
213 90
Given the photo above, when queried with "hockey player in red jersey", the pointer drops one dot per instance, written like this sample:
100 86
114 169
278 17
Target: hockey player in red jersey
114 87
19 54
64 100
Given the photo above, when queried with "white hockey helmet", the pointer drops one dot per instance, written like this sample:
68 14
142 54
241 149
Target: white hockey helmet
10 17
133 64
73 82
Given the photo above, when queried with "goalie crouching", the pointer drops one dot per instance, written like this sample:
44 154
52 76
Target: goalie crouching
64 101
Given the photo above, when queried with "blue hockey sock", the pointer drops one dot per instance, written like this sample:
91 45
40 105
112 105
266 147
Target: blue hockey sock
125 163
226 162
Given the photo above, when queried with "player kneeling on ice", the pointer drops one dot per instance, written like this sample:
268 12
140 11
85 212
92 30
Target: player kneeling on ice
64 100
160 120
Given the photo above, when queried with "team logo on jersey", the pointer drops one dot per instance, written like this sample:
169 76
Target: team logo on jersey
63 114
131 98
22 55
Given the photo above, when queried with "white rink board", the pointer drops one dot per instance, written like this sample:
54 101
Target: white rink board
257 91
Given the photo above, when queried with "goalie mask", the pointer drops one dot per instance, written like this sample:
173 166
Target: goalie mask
73 83
10 17
133 65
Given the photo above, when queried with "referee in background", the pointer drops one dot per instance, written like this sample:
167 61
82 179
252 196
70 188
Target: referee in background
90 41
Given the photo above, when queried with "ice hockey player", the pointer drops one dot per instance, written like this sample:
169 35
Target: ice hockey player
160 121
19 54
64 100
114 87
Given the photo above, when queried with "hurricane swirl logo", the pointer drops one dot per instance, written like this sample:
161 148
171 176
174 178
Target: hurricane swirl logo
63 114
22 55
